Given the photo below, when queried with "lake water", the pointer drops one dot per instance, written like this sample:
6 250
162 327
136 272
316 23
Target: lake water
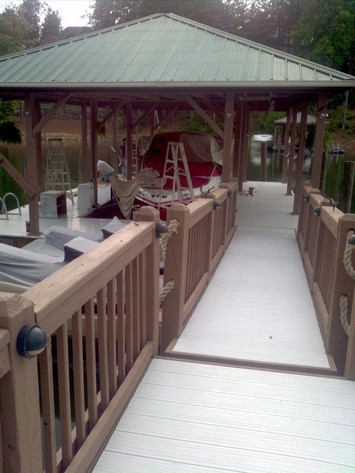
332 184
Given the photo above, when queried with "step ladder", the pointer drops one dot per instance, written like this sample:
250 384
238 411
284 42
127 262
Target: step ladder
57 171
176 167
134 157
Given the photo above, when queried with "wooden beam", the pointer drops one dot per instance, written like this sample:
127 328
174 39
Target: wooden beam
228 137
237 136
109 115
203 114
292 151
129 141
300 160
33 157
144 115
319 141
286 143
30 188
93 146
166 117
50 114
84 164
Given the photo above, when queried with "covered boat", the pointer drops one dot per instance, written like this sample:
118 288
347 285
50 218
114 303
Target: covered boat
204 166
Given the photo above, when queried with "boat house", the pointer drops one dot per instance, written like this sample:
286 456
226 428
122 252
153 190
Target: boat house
241 356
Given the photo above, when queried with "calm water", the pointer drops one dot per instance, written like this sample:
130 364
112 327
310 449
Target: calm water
332 184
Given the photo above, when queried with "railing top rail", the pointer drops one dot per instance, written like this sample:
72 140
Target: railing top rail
330 217
70 287
195 210
4 338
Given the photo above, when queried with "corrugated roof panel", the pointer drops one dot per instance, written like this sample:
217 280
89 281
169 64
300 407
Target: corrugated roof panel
252 65
266 66
161 48
227 65
279 68
240 61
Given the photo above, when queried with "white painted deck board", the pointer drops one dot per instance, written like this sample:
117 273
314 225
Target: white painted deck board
208 420
15 225
257 306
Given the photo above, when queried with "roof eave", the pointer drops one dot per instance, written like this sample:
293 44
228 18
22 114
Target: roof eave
326 84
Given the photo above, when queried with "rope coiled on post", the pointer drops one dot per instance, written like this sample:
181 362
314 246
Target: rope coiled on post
169 286
344 314
172 228
347 255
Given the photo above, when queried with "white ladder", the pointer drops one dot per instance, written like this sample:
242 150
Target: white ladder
175 160
134 157
57 171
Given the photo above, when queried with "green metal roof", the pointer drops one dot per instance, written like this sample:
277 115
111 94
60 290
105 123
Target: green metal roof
162 50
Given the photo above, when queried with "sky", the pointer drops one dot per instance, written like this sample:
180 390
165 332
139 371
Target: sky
70 11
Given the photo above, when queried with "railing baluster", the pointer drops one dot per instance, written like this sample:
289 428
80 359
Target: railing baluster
111 337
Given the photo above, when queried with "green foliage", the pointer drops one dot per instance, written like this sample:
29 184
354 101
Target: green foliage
324 33
21 27
197 124
264 121
8 184
9 133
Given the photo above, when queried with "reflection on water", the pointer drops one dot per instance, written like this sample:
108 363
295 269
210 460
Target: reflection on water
333 174
274 165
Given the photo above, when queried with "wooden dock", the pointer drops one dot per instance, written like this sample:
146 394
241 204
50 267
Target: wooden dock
200 417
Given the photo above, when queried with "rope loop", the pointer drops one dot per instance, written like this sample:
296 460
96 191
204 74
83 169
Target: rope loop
169 286
172 228
344 314
348 254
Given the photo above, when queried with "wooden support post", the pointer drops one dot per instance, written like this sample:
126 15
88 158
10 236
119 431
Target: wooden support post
19 394
84 164
292 152
93 146
336 341
286 145
245 144
349 170
228 137
263 161
300 160
175 269
152 277
319 142
241 147
129 141
237 137
33 155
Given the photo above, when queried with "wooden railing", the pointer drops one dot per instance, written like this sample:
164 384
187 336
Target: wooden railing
322 235
102 331
205 228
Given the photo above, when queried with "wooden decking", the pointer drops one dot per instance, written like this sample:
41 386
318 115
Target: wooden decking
197 417
258 306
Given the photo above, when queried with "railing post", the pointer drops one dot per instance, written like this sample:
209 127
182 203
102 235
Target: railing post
349 371
337 340
175 269
152 275
19 394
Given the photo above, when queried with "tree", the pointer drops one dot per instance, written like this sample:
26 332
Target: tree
9 133
21 27
217 13
51 27
325 33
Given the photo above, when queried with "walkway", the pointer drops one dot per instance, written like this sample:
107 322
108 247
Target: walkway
198 418
258 306
189 417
